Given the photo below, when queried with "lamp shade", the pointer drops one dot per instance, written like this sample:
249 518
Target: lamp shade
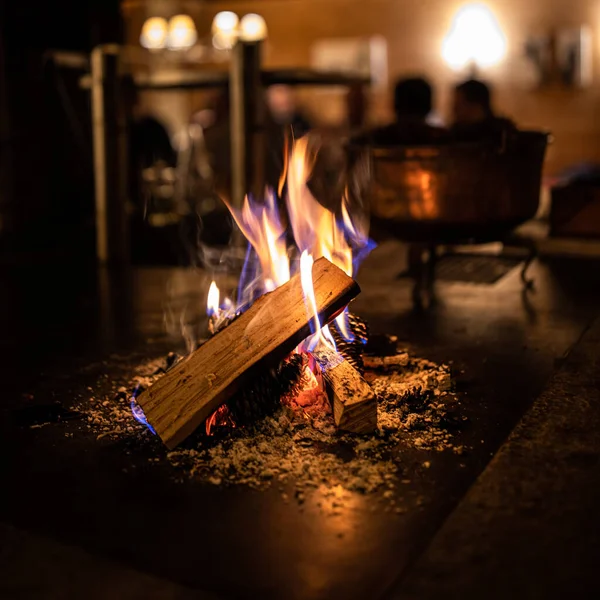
253 28
474 38
154 33
182 32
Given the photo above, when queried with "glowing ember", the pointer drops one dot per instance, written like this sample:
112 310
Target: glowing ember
309 395
220 418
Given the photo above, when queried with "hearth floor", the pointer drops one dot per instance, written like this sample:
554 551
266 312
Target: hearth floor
73 502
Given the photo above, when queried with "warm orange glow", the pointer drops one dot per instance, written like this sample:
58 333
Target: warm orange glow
309 393
423 204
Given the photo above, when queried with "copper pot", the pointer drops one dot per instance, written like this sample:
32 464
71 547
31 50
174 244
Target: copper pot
456 192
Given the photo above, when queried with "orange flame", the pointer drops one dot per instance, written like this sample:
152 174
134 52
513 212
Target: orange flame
261 225
212 302
315 228
321 336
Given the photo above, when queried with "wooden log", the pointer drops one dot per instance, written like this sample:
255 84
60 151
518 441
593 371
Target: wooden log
354 402
261 337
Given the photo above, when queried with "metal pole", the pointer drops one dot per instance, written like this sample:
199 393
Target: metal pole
237 121
110 156
247 122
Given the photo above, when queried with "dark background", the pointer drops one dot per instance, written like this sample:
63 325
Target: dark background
46 177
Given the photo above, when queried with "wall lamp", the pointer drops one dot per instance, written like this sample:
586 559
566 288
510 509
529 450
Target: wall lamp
227 28
475 39
178 33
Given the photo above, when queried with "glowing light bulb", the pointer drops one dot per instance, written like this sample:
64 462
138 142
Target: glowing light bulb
253 28
182 32
475 37
225 22
154 33
225 30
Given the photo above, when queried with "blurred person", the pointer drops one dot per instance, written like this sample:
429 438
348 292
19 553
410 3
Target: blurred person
151 177
149 140
413 103
284 110
413 106
473 114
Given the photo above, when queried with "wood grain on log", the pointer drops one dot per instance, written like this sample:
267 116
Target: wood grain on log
354 402
263 336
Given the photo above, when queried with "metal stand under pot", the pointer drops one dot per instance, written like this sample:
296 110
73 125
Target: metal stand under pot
455 193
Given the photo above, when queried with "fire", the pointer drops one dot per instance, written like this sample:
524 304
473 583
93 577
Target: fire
271 260
321 335
212 302
316 229
136 410
264 230
309 394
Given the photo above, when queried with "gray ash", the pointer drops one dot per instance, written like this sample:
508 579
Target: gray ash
417 411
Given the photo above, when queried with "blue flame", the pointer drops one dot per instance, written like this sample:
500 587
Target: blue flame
360 253
136 410
248 274
344 327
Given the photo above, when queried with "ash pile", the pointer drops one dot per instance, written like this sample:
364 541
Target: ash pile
298 451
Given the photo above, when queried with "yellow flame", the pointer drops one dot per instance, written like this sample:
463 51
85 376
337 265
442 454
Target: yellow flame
315 227
321 336
212 302
286 152
262 227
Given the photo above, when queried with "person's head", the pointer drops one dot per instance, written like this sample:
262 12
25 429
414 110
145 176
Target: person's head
472 102
413 98
281 102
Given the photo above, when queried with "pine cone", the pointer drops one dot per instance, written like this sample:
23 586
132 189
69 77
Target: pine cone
262 397
353 350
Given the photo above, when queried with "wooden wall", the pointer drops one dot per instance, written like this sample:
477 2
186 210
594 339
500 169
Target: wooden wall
414 30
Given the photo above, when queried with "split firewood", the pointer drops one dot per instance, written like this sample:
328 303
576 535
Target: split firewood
354 402
259 338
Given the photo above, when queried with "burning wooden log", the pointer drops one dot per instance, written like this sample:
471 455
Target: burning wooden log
261 337
354 402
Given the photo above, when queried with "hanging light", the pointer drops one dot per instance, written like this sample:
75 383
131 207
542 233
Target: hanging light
154 33
225 30
475 38
182 32
225 22
253 28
